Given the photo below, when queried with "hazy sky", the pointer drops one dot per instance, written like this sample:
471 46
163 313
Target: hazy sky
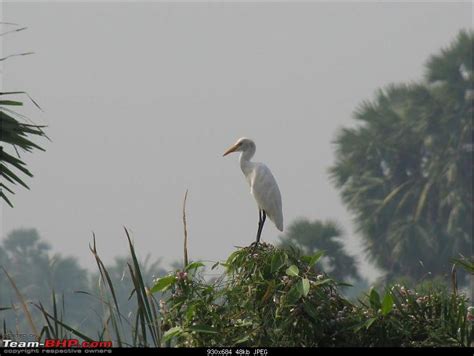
142 99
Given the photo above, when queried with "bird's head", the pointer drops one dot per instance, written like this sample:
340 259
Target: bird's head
243 144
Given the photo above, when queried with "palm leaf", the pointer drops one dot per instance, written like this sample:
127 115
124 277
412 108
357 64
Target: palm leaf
422 200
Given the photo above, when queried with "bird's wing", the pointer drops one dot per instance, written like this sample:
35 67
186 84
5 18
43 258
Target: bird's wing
264 188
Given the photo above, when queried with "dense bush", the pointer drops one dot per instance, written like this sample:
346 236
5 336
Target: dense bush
270 297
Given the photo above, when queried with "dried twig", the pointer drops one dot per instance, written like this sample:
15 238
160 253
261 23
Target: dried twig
454 280
185 231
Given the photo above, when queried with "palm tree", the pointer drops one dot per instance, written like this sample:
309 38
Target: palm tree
16 135
406 170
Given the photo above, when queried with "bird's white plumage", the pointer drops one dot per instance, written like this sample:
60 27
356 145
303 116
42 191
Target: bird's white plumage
263 185
264 188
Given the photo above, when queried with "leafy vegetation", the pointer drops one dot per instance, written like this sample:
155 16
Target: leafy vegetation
268 297
57 291
309 237
406 170
17 134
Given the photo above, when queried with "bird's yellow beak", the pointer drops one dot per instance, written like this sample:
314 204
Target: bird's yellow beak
230 150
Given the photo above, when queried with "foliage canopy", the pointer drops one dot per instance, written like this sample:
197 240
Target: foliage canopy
406 170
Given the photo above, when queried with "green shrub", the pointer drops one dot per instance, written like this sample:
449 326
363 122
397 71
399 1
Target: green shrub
270 297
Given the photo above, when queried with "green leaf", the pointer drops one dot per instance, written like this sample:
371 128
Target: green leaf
305 286
173 332
232 257
374 299
422 200
11 102
292 271
190 311
10 176
163 283
369 323
387 304
311 311
345 284
294 294
4 197
315 258
278 260
324 281
242 340
194 265
392 195
203 329
465 264
22 92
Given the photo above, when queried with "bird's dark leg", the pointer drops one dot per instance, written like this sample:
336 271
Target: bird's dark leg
262 216
259 231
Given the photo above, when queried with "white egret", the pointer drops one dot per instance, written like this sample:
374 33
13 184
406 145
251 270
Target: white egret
263 185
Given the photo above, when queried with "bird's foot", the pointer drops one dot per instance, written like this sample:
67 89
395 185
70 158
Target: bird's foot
253 246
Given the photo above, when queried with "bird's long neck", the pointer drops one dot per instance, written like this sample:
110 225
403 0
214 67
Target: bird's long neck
245 164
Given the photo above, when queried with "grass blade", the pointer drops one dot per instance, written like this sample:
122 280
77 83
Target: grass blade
23 305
